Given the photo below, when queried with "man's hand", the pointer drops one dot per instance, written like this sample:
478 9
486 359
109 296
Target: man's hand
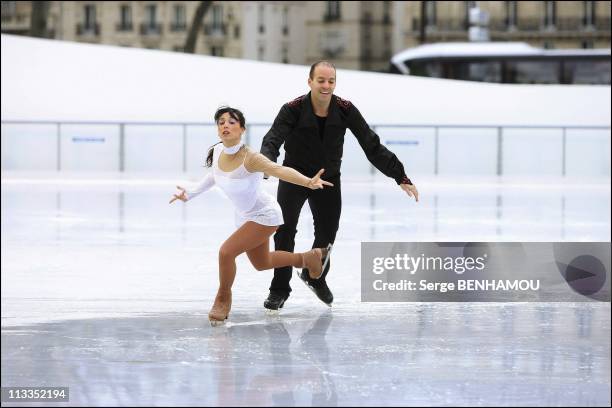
316 182
411 190
182 196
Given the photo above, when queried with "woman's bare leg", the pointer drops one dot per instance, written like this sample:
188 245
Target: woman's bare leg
254 239
248 236
263 259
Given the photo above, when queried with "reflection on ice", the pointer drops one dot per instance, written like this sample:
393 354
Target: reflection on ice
411 354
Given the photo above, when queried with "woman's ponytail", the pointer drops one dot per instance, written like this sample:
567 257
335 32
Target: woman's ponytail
209 156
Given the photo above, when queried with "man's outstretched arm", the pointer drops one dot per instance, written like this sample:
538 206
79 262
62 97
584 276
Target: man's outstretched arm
381 157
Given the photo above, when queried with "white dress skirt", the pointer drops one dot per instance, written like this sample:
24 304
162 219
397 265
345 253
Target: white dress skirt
266 211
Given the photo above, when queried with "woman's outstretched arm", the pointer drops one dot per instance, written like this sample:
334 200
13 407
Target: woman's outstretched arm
257 162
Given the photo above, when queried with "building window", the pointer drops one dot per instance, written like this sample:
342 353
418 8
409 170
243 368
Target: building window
89 26
332 12
386 12
430 13
550 14
588 19
126 18
216 51
90 17
151 15
285 22
179 23
150 25
285 55
9 8
217 27
586 44
217 17
260 53
511 13
260 19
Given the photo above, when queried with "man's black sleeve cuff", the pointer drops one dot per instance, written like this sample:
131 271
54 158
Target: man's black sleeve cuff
404 180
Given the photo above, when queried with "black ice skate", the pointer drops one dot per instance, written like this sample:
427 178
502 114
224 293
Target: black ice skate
319 286
274 302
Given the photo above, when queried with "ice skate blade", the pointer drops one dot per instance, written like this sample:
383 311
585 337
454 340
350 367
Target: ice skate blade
272 312
217 323
326 259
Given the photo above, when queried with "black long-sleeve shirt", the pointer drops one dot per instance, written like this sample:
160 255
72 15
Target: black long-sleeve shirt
296 126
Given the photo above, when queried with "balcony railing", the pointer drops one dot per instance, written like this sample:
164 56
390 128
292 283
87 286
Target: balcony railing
447 24
504 24
566 24
174 27
127 26
150 29
533 24
328 18
15 18
215 29
369 19
90 29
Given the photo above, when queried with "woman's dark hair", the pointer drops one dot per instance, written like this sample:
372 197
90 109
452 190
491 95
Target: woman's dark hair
234 113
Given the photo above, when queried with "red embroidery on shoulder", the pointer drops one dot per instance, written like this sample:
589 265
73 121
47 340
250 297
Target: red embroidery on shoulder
343 102
295 102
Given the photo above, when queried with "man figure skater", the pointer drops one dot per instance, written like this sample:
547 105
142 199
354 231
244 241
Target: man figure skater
312 127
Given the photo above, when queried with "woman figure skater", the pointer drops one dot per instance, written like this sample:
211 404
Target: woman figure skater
236 169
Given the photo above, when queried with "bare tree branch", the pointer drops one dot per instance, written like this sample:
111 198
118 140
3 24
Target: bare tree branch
196 24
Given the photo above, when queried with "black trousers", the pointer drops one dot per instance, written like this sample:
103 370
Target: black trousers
325 205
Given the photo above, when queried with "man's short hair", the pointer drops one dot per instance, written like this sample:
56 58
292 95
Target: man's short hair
316 64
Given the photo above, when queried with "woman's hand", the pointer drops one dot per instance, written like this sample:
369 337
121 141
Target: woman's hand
316 182
182 196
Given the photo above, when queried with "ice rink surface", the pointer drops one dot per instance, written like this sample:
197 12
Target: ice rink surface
106 289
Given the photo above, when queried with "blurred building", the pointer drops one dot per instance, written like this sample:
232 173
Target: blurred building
153 24
546 24
356 35
268 31
274 30
353 34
